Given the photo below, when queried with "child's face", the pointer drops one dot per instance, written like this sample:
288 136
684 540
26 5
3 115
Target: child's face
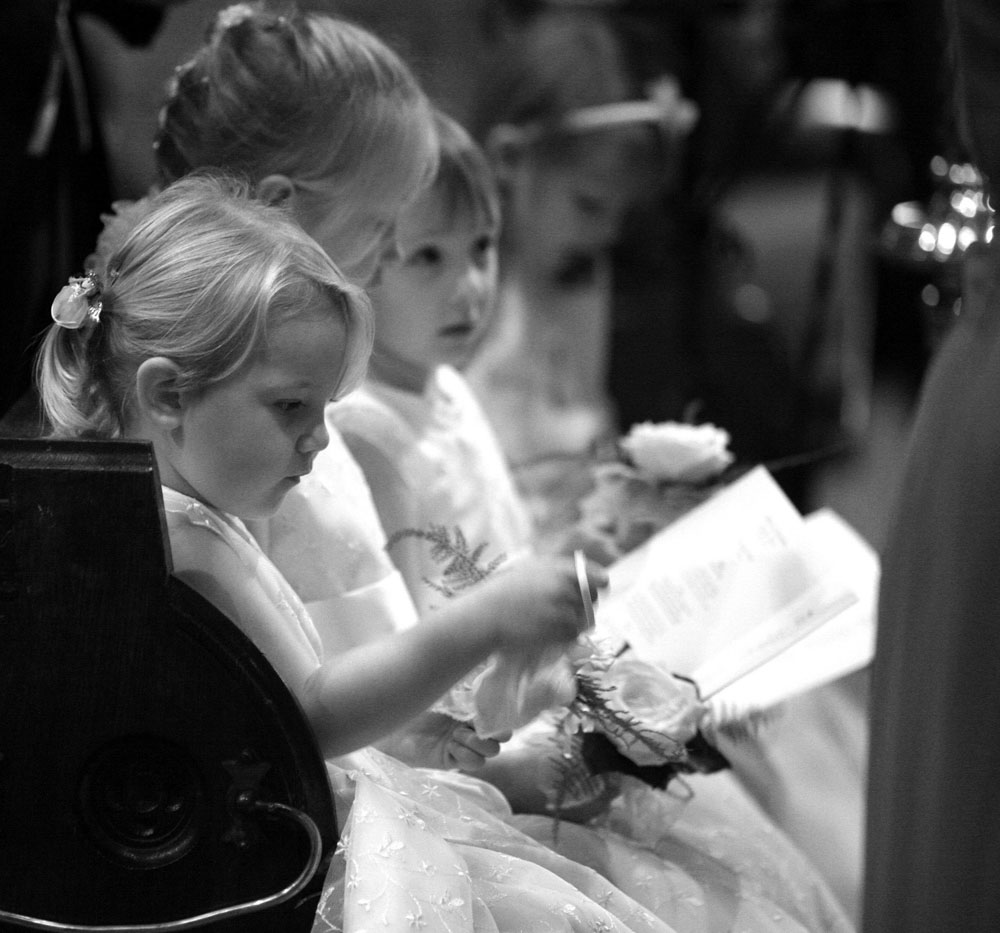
560 213
244 443
436 289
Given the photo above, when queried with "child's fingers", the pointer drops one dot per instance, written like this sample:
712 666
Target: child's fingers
469 751
597 576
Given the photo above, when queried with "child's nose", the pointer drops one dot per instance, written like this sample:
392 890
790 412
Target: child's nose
315 440
473 288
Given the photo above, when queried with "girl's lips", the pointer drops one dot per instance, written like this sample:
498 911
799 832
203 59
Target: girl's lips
457 331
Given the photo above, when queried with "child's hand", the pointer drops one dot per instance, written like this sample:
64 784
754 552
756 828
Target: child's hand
434 740
599 547
538 601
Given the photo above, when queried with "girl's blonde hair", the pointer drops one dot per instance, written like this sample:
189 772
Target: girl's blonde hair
275 90
197 280
465 178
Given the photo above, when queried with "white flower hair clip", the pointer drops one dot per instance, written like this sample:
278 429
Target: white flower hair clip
233 15
78 303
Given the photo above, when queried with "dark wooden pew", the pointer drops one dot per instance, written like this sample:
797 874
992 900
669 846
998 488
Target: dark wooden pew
154 770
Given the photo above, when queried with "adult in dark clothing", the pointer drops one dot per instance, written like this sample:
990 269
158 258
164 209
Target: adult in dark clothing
933 828
55 183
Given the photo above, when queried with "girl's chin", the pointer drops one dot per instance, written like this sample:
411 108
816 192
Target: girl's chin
266 508
461 353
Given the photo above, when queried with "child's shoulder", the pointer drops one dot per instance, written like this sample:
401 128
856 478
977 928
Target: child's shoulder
200 534
379 416
184 511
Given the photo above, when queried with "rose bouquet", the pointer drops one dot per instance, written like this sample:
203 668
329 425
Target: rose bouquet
628 718
612 714
657 473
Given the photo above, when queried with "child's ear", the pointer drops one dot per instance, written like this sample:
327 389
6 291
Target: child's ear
275 189
158 397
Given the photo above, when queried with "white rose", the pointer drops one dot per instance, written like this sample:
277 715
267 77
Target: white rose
662 705
674 452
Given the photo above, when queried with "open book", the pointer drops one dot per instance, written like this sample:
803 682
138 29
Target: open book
751 600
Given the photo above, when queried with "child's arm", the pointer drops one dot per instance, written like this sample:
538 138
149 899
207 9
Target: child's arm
374 689
435 740
369 691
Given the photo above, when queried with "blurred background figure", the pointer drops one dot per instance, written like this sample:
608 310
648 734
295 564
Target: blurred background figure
573 142
56 178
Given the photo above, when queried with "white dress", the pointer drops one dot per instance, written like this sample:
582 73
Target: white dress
419 849
425 446
438 851
328 543
432 460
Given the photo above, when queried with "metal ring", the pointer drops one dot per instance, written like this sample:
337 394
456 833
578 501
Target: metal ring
583 581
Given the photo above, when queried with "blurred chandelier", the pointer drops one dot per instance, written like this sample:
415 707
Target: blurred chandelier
933 239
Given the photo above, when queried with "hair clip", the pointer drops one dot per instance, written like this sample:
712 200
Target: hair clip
665 107
234 15
78 302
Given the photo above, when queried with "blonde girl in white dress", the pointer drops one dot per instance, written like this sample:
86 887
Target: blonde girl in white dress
211 335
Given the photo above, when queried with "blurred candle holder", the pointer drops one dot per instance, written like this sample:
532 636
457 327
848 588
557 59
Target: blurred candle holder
933 239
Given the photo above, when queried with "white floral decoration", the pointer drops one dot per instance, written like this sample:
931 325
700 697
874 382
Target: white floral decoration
675 452
661 704
234 15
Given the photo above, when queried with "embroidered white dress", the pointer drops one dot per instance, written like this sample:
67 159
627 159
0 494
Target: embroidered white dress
419 849
722 839
438 851
432 459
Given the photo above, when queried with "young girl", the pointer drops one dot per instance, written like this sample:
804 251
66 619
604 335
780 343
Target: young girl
414 427
211 336
431 458
322 116
318 114
548 115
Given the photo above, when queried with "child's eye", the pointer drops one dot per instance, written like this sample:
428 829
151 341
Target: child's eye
483 246
287 405
425 256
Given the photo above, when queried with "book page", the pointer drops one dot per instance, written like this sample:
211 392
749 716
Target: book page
730 586
846 643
